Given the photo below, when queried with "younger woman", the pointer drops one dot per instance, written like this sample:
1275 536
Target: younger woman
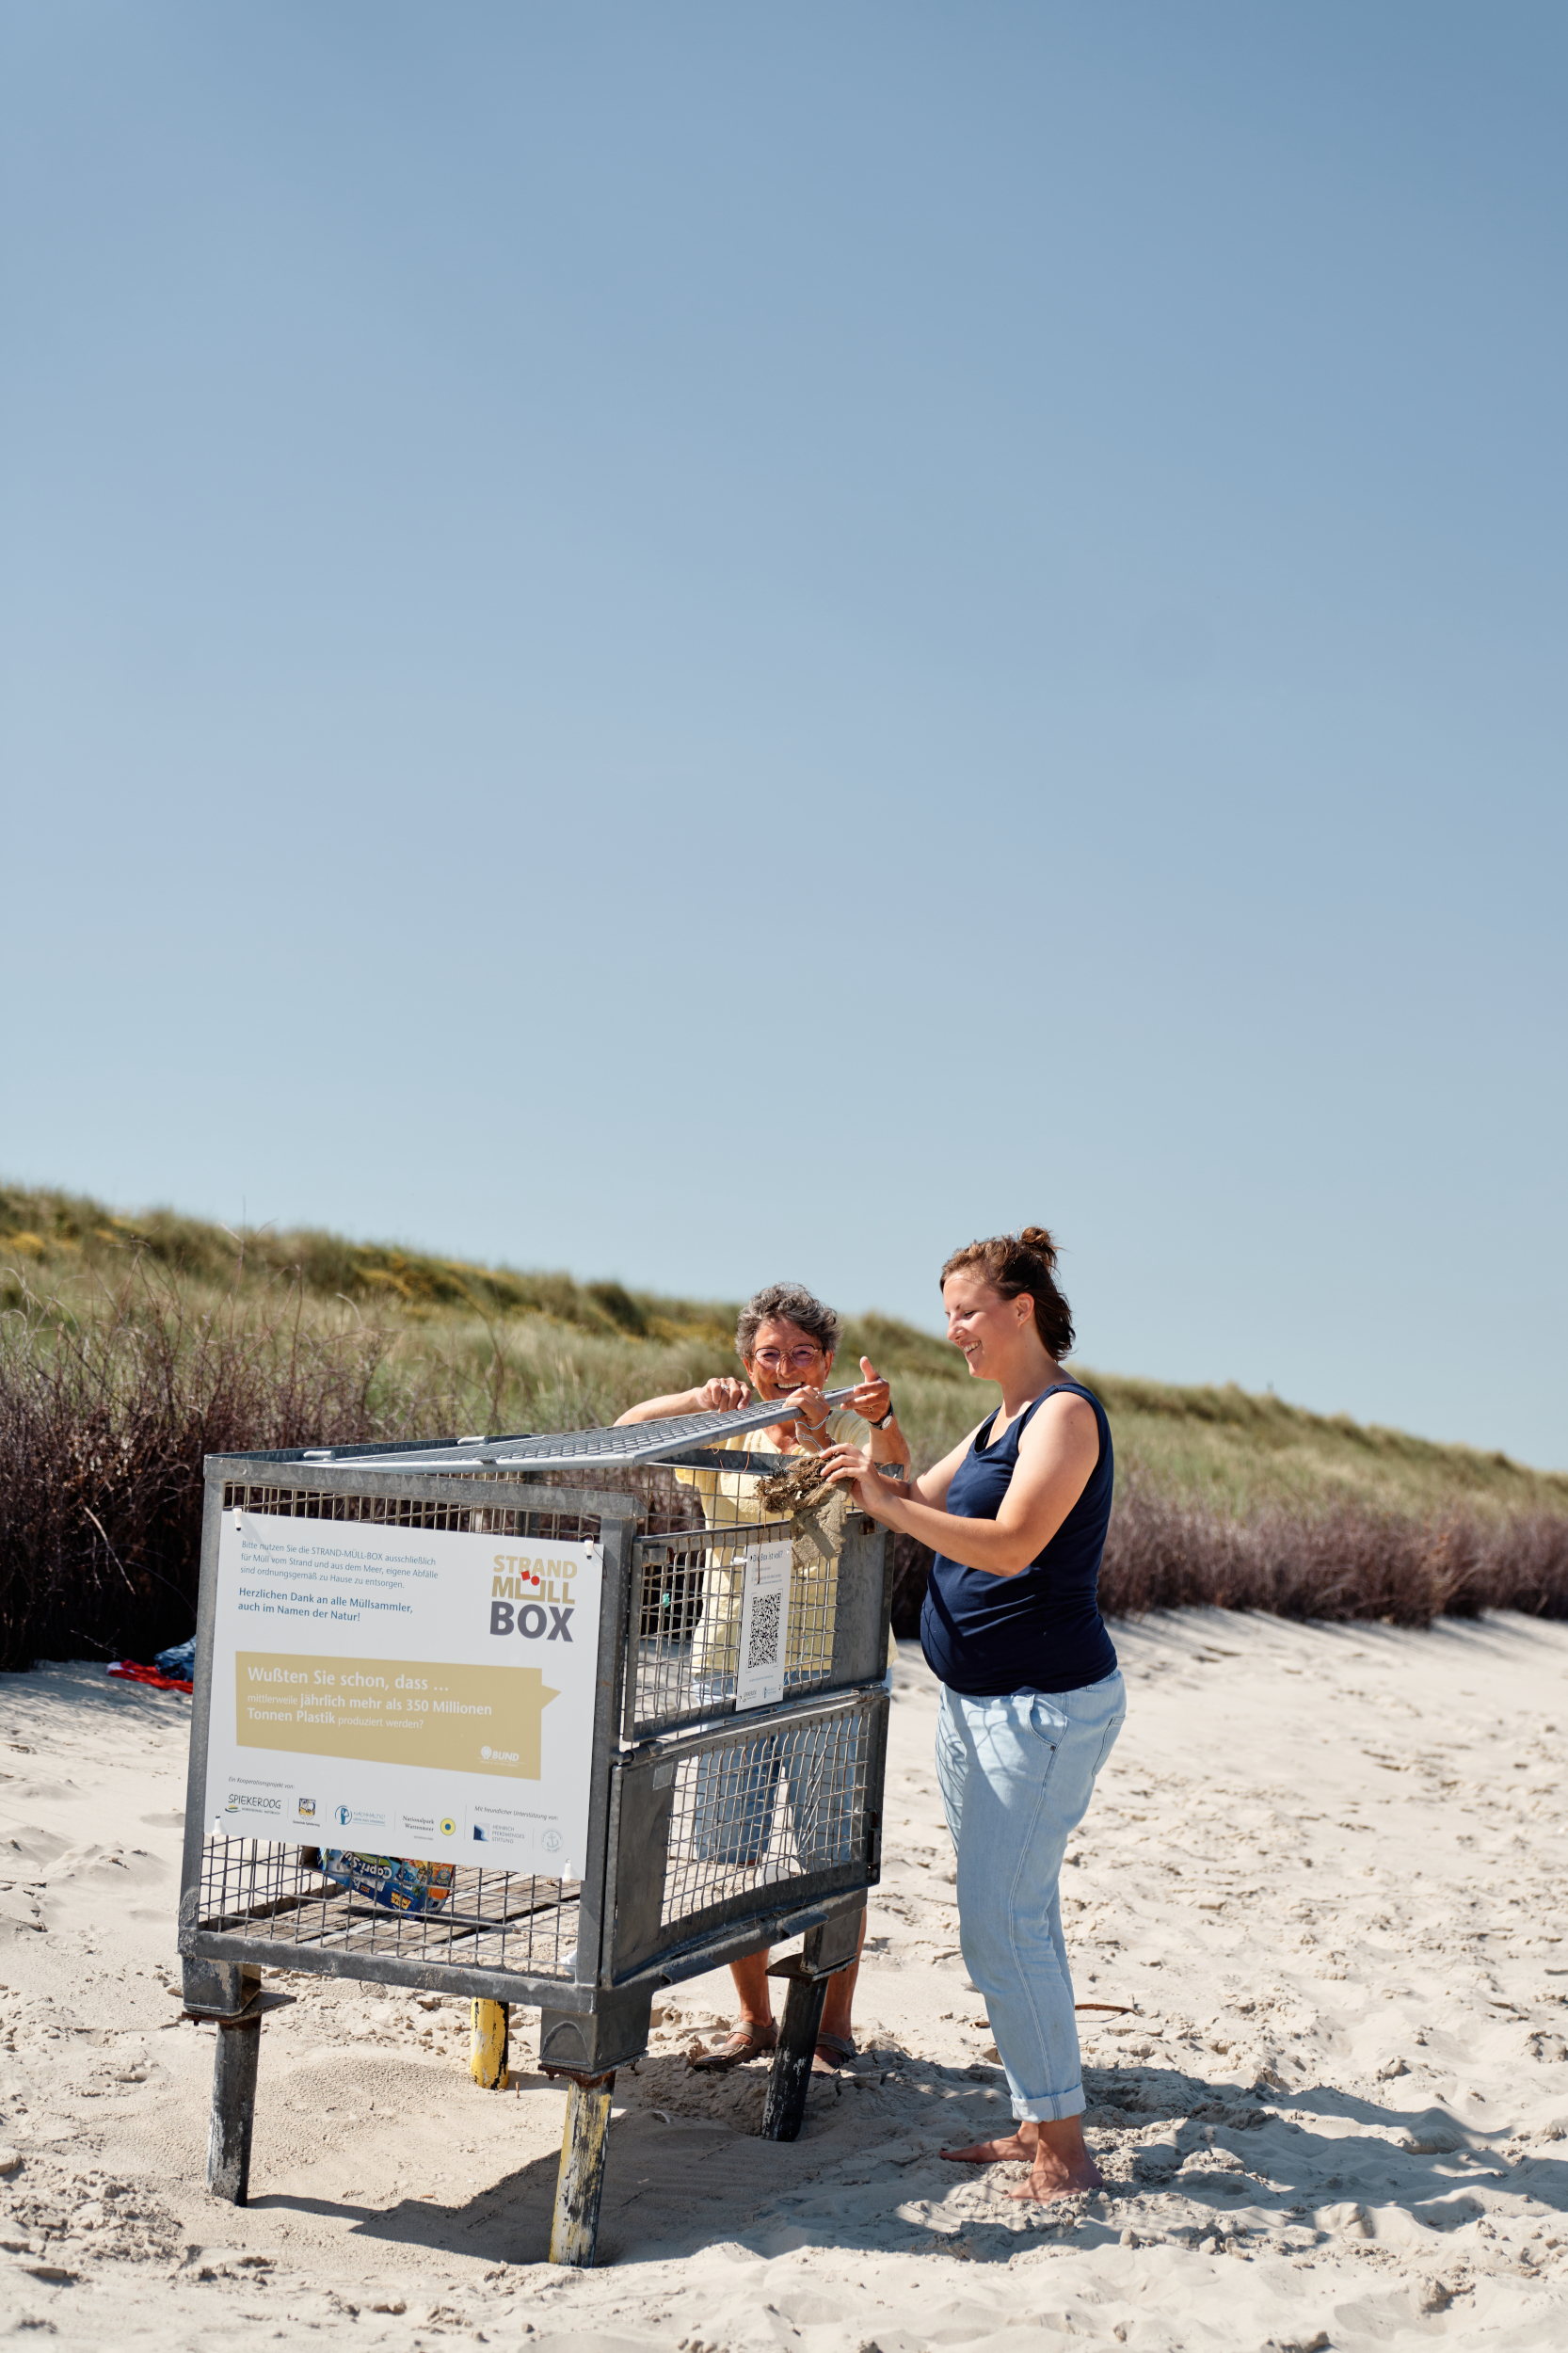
1031 1696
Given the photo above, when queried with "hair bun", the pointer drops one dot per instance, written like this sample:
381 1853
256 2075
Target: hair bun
1014 1264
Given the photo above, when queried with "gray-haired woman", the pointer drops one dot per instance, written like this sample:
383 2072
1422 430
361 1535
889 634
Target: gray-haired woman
786 1338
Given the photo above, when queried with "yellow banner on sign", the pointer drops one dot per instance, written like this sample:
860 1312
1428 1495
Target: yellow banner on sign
392 1711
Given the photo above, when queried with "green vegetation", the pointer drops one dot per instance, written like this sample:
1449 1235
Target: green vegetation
130 1347
1236 1454
493 1348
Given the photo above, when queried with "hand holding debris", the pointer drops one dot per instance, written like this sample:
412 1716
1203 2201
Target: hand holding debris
851 1467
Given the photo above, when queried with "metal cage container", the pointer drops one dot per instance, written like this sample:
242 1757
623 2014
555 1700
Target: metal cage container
714 1828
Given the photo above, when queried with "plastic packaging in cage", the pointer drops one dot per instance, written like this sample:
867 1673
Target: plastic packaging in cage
390 1882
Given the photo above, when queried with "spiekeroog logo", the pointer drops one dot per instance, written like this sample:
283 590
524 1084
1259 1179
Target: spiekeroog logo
252 1806
306 1809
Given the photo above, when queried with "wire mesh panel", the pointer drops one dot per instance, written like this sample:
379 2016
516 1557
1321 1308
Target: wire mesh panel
260 1894
754 1809
528 1933
687 1599
578 1450
688 1613
308 1502
744 1823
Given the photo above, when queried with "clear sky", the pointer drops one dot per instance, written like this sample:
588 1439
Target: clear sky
701 642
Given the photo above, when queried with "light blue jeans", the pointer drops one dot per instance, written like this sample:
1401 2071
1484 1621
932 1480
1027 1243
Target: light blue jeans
1017 1775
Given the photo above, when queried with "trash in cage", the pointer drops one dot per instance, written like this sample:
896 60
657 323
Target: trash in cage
389 1881
795 1489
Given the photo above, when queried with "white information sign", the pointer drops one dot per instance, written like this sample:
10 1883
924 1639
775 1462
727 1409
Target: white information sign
764 1625
404 1692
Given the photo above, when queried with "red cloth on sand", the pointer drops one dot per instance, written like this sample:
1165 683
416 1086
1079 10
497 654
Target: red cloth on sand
129 1672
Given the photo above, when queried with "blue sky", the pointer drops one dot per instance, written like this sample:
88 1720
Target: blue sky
708 642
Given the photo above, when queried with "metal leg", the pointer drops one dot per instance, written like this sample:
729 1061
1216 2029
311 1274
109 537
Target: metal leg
824 1952
239 2048
789 2076
489 2026
580 2183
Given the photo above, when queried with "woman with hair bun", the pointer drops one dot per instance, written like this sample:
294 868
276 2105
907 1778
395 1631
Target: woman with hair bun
1031 1696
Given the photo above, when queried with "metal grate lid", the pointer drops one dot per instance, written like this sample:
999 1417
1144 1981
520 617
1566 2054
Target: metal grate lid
566 1450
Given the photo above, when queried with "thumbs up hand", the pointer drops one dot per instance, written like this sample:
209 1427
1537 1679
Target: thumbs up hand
873 1398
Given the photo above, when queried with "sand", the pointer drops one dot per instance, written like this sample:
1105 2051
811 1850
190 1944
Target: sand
1326 1866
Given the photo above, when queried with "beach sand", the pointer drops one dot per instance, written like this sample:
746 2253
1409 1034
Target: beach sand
1327 1868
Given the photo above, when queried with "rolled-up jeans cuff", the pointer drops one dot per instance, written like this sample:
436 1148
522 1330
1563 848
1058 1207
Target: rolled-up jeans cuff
1051 2111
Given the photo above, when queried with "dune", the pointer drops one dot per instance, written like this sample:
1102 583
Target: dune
1326 1871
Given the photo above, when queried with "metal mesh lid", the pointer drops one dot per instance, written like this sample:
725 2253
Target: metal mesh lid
566 1450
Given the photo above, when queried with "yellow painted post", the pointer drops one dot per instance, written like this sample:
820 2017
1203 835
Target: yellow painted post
489 2036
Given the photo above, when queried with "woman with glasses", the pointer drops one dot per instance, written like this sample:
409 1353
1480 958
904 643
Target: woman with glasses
786 1339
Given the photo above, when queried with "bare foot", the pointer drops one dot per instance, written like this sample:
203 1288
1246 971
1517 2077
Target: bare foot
1062 2165
1051 2179
1059 2164
992 2151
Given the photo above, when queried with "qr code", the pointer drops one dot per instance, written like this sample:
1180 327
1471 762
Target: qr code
763 1647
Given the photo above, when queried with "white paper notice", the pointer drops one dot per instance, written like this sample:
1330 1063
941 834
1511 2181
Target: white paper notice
764 1625
404 1692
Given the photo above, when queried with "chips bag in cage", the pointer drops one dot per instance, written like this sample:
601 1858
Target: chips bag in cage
389 1881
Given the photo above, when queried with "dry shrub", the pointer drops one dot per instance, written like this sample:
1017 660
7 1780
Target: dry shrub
108 1407
103 1424
1351 1562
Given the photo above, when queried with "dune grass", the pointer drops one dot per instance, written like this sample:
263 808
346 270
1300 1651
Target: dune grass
1238 1453
132 1346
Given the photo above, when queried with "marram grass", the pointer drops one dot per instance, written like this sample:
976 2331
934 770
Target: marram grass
131 1347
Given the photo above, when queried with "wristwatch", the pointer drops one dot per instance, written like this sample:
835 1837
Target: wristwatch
887 1417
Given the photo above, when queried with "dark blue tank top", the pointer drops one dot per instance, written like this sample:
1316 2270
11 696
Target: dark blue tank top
1038 1631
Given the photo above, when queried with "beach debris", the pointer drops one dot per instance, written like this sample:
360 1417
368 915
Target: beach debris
391 1881
797 1489
132 1670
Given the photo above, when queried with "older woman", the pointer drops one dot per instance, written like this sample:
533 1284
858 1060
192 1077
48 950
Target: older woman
1031 1696
786 1340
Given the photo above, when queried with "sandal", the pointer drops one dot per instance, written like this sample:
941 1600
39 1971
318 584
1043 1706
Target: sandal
833 2051
745 2042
